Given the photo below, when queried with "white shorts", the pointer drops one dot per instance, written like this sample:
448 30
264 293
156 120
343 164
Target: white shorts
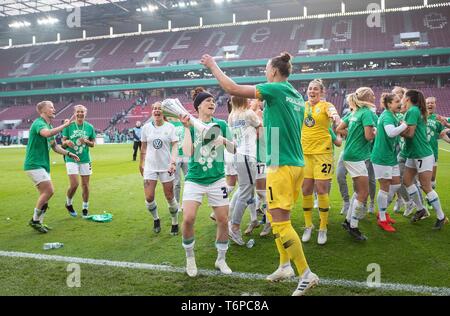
260 171
215 192
356 168
421 164
162 176
83 169
386 172
38 175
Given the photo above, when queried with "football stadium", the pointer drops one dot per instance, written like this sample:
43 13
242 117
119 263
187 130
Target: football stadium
224 148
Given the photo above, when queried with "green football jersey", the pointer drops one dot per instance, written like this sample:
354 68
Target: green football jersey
38 147
434 129
418 146
206 165
357 147
74 132
384 150
282 119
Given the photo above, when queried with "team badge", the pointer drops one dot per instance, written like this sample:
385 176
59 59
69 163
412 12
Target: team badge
310 122
157 143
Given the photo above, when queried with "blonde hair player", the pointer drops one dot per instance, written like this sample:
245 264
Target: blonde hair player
317 147
357 150
37 159
78 137
283 115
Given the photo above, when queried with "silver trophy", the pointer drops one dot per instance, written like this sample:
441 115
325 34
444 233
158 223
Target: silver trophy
174 108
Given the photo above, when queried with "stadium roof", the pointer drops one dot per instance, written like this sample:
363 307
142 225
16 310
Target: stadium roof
14 7
97 16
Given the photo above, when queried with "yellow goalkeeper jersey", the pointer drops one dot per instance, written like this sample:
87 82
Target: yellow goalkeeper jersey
316 138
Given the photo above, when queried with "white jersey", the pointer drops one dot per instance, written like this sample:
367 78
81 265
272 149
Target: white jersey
244 125
159 141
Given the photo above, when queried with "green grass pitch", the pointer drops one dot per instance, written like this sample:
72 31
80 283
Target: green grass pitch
413 255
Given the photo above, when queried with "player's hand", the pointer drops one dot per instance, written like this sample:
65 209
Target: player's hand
141 170
172 168
69 143
82 140
208 61
185 120
73 156
70 120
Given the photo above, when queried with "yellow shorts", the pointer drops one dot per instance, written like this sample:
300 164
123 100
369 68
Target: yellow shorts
319 166
283 186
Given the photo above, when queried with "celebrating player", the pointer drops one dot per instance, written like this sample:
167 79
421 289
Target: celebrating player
283 115
420 158
384 157
158 162
243 123
206 176
78 137
37 160
357 150
318 150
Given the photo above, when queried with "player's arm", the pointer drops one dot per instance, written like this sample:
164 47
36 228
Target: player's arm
342 128
188 147
409 132
88 142
333 114
45 132
59 150
369 132
226 82
173 157
66 142
142 157
444 135
393 131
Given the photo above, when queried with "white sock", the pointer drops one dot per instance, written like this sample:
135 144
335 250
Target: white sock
152 207
306 273
37 214
393 188
85 205
69 201
173 209
357 205
189 248
382 199
349 211
433 199
222 248
415 196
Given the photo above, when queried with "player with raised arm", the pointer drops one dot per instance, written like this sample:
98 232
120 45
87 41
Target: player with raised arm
283 115
206 176
37 159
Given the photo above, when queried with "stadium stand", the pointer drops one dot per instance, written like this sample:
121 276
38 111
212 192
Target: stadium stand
340 34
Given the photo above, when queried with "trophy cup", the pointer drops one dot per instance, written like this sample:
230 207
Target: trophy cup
174 108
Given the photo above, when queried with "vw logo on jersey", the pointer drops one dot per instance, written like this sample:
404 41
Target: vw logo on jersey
310 122
157 143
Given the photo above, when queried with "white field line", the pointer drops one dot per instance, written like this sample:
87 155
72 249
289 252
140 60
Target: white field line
444 149
418 289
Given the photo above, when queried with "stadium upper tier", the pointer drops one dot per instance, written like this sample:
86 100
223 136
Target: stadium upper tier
345 34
